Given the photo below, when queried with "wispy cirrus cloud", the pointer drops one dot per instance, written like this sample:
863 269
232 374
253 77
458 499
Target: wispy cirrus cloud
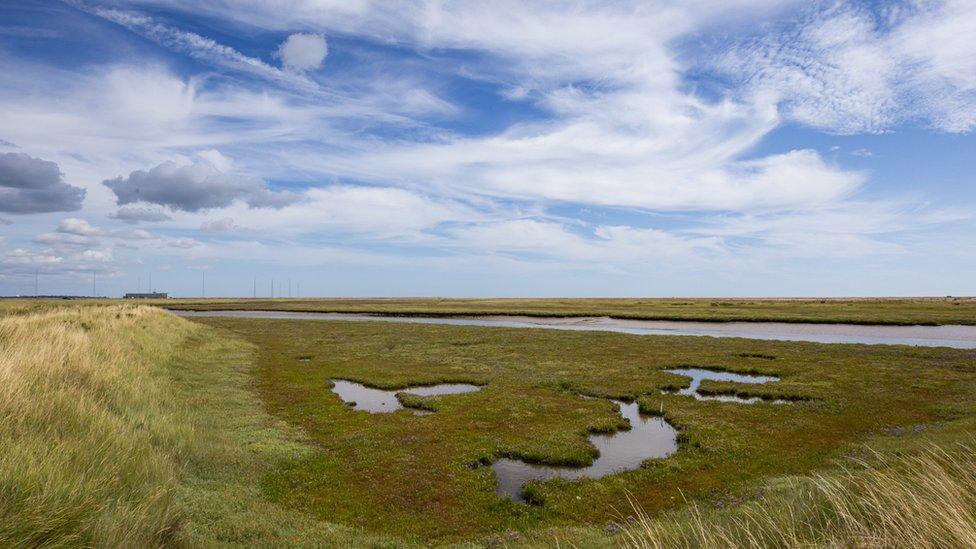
203 48
848 68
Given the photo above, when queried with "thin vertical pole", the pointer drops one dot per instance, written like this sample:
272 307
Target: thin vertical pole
35 282
93 284
203 285
272 288
255 286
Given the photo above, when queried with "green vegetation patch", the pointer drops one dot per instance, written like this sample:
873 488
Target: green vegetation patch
423 477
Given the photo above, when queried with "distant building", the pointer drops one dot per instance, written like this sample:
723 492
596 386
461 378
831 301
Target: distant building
152 295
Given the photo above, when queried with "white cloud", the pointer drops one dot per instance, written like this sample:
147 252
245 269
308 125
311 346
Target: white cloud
218 160
201 47
62 239
223 225
847 69
303 51
184 243
21 257
73 225
134 234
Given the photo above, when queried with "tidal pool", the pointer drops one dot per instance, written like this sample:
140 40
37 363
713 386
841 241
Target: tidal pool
374 400
697 375
648 437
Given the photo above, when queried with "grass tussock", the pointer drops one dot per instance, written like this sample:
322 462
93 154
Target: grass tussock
921 499
87 452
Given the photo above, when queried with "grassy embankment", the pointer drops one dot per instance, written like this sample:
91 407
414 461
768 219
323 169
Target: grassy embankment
124 426
417 477
854 311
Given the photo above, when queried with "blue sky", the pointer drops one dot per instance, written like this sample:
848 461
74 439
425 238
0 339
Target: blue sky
359 148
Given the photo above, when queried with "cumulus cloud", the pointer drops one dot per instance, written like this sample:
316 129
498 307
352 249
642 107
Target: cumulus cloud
63 239
194 187
73 231
31 185
80 227
136 214
216 158
224 225
25 257
303 51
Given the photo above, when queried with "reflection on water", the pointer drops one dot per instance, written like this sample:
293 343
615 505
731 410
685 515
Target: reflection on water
442 389
697 375
648 437
373 400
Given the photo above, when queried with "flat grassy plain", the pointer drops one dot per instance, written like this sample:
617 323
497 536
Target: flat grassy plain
420 479
122 425
902 311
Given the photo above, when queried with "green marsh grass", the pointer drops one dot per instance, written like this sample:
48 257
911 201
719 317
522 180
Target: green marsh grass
419 477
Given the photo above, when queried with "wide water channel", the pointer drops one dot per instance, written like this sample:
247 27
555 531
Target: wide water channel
960 337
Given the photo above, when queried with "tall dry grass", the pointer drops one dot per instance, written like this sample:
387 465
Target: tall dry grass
920 500
89 444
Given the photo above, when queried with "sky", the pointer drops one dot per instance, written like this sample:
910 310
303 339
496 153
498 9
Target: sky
505 148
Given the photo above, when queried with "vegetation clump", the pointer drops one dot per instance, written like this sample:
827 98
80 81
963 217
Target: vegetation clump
925 498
